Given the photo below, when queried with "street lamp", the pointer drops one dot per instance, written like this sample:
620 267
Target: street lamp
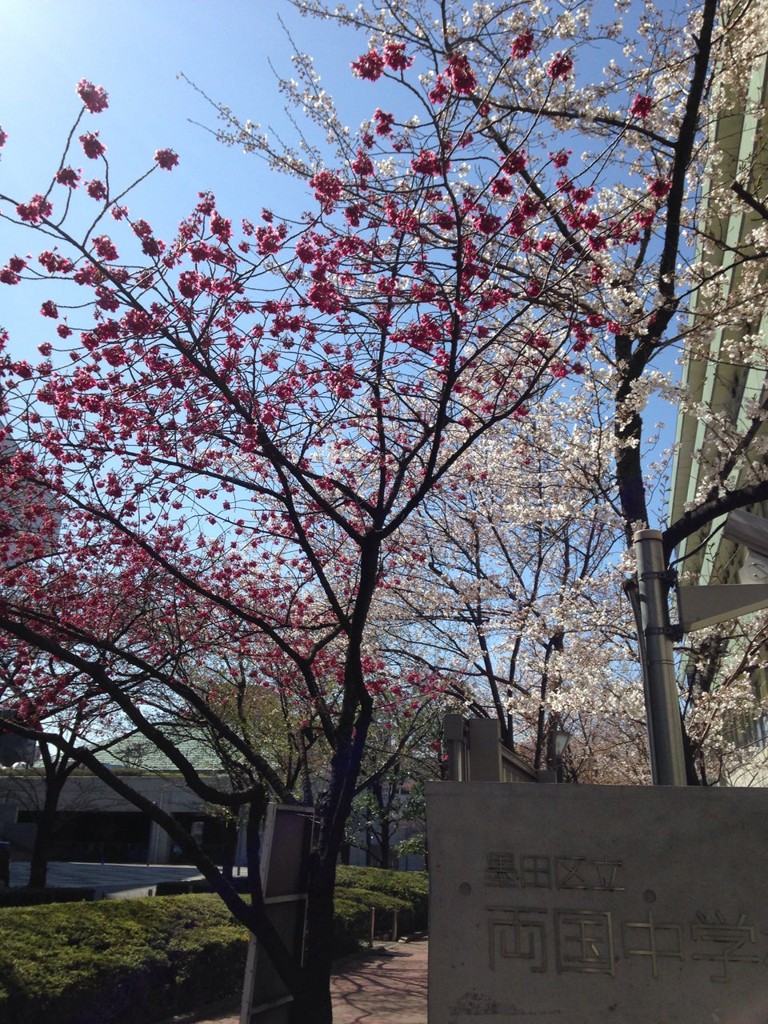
557 743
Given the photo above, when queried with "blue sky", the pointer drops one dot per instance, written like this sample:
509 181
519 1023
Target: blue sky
136 50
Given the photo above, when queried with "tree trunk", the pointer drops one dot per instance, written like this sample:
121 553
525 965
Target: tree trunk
312 1003
312 999
386 842
38 868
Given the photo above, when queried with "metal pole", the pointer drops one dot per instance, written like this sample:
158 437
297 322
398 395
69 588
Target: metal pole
662 708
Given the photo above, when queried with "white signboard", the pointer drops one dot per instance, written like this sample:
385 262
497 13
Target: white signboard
586 904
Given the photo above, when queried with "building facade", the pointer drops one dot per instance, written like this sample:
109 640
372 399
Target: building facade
726 386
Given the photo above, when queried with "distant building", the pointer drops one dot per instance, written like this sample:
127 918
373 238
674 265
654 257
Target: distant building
93 823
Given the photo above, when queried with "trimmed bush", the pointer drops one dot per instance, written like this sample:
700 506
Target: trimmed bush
141 961
410 887
360 889
119 961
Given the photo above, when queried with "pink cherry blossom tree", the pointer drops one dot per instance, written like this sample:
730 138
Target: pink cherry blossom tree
235 424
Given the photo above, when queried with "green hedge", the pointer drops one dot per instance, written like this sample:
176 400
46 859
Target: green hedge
141 961
118 961
358 890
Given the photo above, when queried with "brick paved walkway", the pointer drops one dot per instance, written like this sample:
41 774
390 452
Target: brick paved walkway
384 988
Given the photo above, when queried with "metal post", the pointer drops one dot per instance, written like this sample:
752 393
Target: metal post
661 699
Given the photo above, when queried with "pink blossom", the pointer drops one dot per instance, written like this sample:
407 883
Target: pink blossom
590 220
641 106
105 247
138 323
353 213
394 55
502 187
46 348
428 162
324 297
560 66
327 187
191 284
362 164
515 162
199 251
306 251
106 299
444 220
8 276
50 309
383 122
439 92
370 66
141 229
54 263
34 211
92 145
582 338
96 189
93 96
153 247
387 286
221 227
488 223
3 138
461 75
659 187
63 331
167 159
68 176
559 369
522 45
561 158
269 240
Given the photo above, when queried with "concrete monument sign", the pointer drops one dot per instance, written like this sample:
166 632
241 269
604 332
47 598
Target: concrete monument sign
591 904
